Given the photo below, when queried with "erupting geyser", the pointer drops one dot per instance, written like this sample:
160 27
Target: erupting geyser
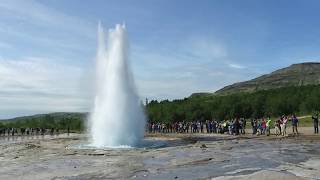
117 118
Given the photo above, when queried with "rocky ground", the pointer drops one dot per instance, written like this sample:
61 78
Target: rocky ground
199 156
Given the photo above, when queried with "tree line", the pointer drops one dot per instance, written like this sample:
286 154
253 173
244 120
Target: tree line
61 121
266 103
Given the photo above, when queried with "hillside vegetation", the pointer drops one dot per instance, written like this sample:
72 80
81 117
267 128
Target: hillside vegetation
295 75
282 101
61 120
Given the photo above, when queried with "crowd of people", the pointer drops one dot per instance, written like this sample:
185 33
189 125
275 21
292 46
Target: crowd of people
236 126
27 131
263 126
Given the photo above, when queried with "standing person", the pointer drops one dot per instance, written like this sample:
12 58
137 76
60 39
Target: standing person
241 126
207 126
214 126
295 123
153 128
198 126
277 127
259 132
244 123
252 125
284 125
210 126
255 126
230 127
263 126
268 124
236 126
316 123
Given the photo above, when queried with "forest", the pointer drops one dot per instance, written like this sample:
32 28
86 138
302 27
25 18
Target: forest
302 100
62 121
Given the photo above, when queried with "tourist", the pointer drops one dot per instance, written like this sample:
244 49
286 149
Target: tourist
240 126
149 127
214 126
225 127
158 127
315 119
295 122
207 125
230 127
201 126
198 126
263 126
153 128
236 126
277 127
12 131
284 125
259 127
268 124
243 126
254 126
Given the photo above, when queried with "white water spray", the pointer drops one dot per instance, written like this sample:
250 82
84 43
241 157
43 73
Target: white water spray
117 118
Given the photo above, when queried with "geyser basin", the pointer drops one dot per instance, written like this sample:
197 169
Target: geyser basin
143 144
117 118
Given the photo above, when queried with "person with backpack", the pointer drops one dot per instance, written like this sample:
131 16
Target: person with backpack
295 122
315 119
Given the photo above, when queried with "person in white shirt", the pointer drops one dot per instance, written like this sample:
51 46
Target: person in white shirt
284 125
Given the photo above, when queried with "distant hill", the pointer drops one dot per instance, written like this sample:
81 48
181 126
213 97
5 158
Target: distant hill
61 120
55 116
295 75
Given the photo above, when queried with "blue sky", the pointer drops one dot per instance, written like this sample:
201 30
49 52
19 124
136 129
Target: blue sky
178 47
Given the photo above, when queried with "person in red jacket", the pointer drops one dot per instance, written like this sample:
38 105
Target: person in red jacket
263 126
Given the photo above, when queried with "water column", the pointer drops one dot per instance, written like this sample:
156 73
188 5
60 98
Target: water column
117 118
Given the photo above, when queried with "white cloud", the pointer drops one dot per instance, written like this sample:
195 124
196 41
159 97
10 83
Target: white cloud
25 24
189 68
43 85
236 66
206 48
33 12
37 84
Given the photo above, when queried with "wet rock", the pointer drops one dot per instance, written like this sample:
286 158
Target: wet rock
70 154
226 148
32 146
203 146
95 154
